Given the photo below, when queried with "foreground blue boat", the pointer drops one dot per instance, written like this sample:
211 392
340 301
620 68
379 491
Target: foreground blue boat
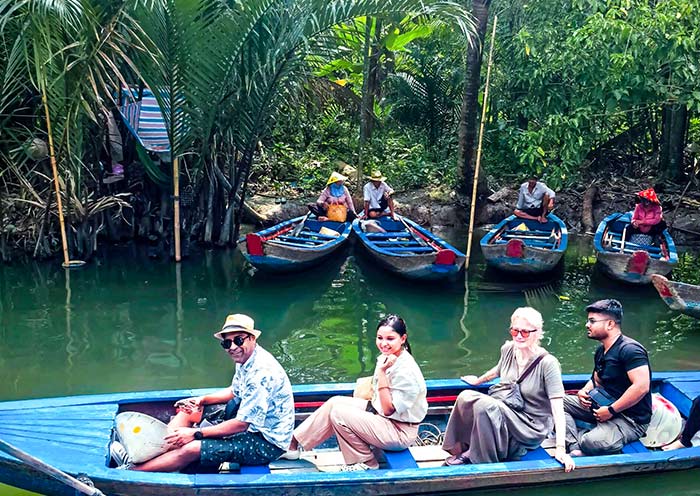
525 246
633 263
409 250
289 247
73 433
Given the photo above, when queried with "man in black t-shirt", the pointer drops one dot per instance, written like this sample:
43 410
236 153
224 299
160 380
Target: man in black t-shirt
622 371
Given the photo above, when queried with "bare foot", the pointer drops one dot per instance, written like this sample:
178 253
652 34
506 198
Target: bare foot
674 445
294 444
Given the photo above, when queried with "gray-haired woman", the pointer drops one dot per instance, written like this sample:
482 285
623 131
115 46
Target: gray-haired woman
483 429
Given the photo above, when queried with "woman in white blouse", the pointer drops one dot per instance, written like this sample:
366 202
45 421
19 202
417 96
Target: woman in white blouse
388 421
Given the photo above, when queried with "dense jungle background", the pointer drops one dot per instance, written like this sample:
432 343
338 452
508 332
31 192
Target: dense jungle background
267 97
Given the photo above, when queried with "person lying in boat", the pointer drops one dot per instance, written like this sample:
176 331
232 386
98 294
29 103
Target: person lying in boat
647 219
262 426
622 375
692 426
494 427
535 200
335 202
377 197
388 421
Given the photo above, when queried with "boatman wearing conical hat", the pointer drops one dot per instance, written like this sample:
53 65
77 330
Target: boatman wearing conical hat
335 202
257 422
647 218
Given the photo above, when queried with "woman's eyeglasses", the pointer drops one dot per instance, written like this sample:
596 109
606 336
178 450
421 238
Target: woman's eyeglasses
523 332
238 341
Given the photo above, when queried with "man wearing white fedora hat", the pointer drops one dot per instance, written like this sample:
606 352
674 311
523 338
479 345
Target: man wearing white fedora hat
377 197
257 433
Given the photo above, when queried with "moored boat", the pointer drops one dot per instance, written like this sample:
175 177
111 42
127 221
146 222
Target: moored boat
73 435
289 246
409 250
678 295
628 261
525 246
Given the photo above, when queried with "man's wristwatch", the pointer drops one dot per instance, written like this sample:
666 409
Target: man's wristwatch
612 410
198 435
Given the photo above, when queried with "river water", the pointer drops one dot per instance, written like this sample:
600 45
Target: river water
125 322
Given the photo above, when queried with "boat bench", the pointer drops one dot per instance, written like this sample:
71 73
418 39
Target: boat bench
255 469
417 249
302 240
399 459
390 234
277 241
316 235
398 244
529 232
529 242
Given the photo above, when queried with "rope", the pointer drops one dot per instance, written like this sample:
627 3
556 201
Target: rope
429 435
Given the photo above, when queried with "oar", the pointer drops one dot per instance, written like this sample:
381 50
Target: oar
48 469
300 226
410 230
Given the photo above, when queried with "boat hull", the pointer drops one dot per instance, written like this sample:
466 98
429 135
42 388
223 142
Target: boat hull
283 253
73 433
421 264
678 295
529 256
628 262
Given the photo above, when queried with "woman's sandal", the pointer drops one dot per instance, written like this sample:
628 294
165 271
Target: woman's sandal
461 459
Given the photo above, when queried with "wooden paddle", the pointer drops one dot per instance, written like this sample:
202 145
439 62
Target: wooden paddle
48 469
410 230
299 227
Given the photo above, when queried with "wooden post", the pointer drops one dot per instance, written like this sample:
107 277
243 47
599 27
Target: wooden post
176 207
478 150
54 169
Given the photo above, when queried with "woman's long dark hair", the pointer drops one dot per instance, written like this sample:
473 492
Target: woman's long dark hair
398 325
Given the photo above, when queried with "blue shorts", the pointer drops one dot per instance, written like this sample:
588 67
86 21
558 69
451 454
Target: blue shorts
244 448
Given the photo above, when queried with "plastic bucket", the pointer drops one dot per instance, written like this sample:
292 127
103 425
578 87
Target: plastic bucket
141 435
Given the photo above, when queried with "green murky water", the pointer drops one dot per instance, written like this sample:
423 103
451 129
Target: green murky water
125 322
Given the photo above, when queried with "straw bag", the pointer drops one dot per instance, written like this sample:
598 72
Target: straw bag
337 212
364 389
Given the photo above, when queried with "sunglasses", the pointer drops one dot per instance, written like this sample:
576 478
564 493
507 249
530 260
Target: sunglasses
523 332
238 341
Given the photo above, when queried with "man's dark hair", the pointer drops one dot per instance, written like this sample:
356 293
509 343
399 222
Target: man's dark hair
611 308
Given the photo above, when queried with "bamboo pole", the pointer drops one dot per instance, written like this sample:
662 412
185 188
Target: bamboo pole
54 169
176 207
478 149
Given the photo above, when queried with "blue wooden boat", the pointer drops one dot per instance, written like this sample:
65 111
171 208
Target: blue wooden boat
73 433
631 262
525 246
409 250
678 295
284 248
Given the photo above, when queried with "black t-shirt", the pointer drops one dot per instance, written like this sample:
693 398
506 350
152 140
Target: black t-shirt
611 368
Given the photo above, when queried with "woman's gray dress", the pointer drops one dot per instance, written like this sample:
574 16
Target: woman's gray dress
488 430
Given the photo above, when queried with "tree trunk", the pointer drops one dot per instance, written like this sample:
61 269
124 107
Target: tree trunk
588 200
673 136
470 100
367 103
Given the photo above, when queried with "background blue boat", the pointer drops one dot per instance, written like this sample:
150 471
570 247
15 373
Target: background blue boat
409 250
631 262
536 248
284 248
73 434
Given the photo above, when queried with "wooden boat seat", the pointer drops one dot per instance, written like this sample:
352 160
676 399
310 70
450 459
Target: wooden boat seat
538 453
255 469
529 232
400 459
302 240
635 447
395 234
316 235
417 249
529 242
404 243
277 241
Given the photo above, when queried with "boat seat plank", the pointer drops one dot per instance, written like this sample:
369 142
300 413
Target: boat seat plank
649 248
528 233
418 249
394 234
315 234
301 240
530 242
400 459
296 245
635 447
407 242
255 469
536 454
